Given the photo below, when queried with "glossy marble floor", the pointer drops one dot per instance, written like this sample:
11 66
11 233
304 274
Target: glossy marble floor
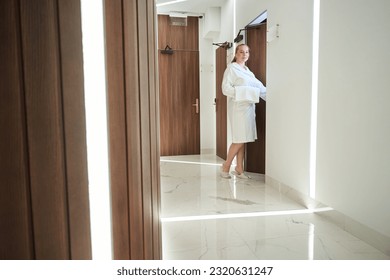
207 217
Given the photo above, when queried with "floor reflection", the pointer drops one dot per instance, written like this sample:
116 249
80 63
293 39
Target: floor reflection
207 217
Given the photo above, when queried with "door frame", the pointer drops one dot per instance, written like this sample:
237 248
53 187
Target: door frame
133 127
221 104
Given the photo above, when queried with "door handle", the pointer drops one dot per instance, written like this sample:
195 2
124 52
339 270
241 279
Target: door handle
196 104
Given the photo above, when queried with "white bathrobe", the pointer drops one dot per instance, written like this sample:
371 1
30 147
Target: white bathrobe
243 91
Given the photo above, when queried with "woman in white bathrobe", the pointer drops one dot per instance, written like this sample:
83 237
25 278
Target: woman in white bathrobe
243 90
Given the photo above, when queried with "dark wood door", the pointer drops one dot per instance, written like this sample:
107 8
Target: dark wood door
179 88
179 96
255 152
220 103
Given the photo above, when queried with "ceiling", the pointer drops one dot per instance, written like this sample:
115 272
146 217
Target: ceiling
186 6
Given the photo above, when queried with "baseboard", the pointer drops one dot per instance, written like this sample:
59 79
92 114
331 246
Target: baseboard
292 193
364 233
208 152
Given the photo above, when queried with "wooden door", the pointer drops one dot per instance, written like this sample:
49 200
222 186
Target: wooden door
179 88
255 152
221 103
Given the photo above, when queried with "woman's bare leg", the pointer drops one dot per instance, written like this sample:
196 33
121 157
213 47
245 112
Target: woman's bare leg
240 160
234 149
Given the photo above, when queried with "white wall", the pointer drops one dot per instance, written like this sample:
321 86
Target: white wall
207 93
227 24
353 169
289 61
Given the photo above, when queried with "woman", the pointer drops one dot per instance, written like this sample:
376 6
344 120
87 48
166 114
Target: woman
243 90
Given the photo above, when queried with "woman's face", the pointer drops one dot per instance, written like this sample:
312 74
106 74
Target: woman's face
242 54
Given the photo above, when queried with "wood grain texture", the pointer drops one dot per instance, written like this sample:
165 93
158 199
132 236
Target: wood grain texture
48 202
178 37
179 89
45 128
144 97
16 235
117 129
154 129
221 104
133 119
255 152
133 127
71 57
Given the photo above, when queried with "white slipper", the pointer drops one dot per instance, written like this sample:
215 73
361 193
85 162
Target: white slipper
224 174
240 175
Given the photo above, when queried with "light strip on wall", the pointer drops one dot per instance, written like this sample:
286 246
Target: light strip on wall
314 98
96 118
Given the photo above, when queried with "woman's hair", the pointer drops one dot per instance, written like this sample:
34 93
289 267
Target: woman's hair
237 48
